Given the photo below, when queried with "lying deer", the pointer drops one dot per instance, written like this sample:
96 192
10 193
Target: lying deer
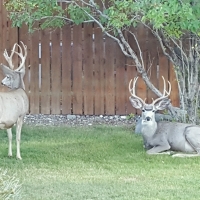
14 104
163 136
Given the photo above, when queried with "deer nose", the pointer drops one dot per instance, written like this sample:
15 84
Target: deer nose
148 118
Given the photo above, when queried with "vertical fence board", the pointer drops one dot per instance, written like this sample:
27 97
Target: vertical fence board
88 69
152 64
66 76
55 72
66 70
12 38
109 77
99 71
120 82
3 39
141 86
163 71
77 70
4 35
24 37
174 96
131 72
34 73
45 72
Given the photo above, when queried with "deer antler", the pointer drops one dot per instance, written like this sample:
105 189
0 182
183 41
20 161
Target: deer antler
132 90
9 58
164 95
165 92
20 54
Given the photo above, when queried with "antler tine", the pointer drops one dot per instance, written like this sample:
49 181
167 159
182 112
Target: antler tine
20 54
170 87
164 88
165 92
9 58
132 90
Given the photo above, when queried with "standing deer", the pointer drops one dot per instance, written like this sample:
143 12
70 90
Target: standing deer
164 136
14 104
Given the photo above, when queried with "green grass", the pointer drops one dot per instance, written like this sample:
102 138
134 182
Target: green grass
96 163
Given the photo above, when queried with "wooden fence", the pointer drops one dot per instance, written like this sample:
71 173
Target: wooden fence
77 70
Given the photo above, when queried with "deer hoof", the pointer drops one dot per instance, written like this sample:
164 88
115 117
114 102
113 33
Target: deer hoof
19 158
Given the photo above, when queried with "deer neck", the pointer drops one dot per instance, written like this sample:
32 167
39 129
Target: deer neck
148 128
21 82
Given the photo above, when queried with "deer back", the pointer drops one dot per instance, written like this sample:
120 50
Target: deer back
173 132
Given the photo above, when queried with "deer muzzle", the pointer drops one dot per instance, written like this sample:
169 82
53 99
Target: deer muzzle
148 118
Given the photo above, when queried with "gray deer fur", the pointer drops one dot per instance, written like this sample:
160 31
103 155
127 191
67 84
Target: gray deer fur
158 117
13 79
14 104
163 137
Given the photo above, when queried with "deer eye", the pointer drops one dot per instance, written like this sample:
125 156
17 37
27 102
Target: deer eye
143 110
153 110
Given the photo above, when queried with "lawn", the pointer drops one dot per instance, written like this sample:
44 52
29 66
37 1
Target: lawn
96 163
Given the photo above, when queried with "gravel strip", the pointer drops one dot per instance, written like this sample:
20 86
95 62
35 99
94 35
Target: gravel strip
77 120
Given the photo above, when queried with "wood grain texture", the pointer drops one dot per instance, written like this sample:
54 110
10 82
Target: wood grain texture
66 70
99 68
77 87
55 72
109 77
88 65
34 73
45 72
120 82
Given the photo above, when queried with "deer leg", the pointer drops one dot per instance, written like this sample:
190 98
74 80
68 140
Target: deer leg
184 155
192 137
159 150
9 132
18 135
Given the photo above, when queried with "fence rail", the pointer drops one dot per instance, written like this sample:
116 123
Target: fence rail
77 70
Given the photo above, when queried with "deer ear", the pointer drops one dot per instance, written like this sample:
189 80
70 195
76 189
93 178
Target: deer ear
6 70
136 103
161 105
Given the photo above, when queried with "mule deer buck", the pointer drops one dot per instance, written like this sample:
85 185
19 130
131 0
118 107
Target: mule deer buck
14 104
163 137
